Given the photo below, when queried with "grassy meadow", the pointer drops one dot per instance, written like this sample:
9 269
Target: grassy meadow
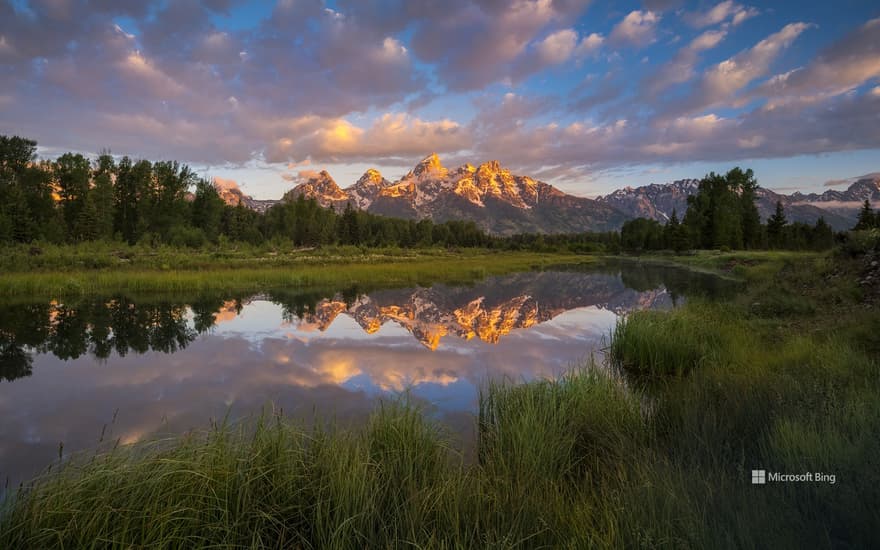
654 449
96 268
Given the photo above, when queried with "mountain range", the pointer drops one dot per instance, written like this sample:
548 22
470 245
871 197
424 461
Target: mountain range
839 208
504 203
499 201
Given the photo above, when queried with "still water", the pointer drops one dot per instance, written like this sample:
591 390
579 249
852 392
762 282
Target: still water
119 370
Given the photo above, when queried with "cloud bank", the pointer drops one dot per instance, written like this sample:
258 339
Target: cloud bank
546 86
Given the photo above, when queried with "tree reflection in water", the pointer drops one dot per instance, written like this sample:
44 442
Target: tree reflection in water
488 310
99 328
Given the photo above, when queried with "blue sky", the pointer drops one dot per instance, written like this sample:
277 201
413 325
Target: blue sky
589 96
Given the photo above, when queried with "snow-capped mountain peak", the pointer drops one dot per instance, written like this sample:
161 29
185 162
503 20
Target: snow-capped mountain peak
321 187
367 188
489 194
429 166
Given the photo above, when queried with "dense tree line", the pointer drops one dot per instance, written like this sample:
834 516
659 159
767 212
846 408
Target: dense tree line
722 215
74 199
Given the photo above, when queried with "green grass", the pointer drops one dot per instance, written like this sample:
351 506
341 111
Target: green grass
753 263
655 451
659 344
100 255
180 273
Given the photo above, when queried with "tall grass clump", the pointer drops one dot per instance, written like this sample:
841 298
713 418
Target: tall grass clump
561 429
548 449
657 343
275 485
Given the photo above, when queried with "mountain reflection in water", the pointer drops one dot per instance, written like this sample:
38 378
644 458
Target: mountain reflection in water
140 367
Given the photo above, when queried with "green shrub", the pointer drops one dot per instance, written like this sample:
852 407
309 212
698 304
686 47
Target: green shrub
184 236
857 243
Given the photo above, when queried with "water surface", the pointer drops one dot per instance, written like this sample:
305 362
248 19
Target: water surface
116 369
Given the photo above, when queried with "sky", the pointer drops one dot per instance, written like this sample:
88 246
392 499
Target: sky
587 95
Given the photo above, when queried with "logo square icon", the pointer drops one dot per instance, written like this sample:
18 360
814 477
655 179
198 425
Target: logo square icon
759 477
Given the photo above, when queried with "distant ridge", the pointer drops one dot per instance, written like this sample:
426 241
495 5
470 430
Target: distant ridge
505 203
839 208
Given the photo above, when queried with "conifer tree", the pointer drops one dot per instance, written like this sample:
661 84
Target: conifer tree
776 226
866 219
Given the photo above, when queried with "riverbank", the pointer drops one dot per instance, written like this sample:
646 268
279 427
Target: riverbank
655 451
96 269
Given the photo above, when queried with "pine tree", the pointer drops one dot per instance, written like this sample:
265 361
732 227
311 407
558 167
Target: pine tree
749 216
866 219
72 175
101 195
86 225
823 235
776 226
16 221
676 234
349 230
207 210
131 198
22 225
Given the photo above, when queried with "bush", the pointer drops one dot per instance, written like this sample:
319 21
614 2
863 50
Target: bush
857 243
183 236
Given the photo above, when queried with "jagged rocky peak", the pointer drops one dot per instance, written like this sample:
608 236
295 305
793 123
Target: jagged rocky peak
865 188
320 186
429 166
491 176
372 178
325 183
367 188
490 168
232 196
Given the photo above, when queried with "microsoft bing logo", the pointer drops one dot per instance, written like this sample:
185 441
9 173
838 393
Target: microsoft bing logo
759 477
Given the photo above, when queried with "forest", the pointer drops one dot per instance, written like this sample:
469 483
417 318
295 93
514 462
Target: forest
73 199
722 215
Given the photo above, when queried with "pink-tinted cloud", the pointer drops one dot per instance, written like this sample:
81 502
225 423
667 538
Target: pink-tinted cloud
682 67
390 135
547 86
719 13
474 44
844 66
638 28
720 84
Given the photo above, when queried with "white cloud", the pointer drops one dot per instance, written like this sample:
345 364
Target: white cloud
637 28
682 67
589 44
707 40
719 13
847 64
337 140
557 47
721 83
145 75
